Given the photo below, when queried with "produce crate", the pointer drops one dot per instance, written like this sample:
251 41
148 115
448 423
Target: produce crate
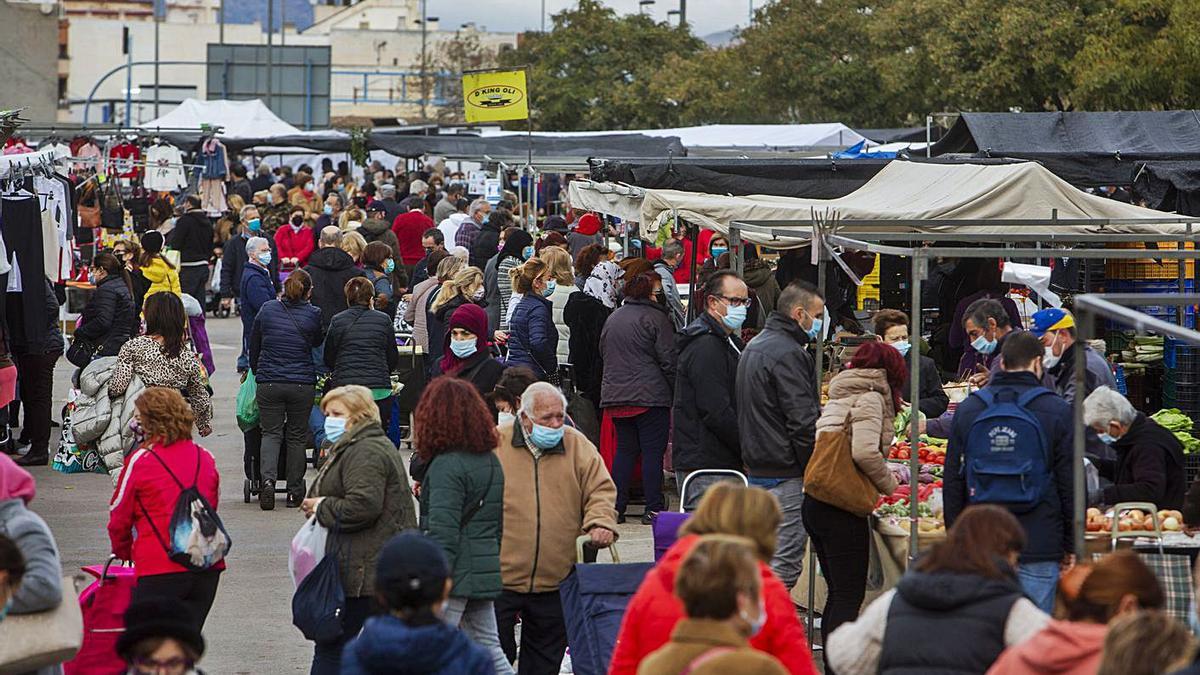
868 297
1161 312
1117 340
1135 389
1191 467
1148 268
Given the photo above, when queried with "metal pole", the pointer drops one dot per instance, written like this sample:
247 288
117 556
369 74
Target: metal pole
270 51
543 16
682 12
1083 331
424 31
87 102
820 370
928 134
693 310
282 22
914 394
157 21
129 79
221 20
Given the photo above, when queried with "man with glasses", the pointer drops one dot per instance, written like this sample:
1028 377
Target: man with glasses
705 406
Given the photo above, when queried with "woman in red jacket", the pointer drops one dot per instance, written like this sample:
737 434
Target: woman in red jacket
144 500
730 509
295 242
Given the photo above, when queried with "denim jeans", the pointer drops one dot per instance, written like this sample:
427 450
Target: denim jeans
1040 580
641 438
788 562
477 618
698 486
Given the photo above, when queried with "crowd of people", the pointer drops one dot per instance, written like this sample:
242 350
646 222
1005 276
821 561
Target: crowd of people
559 374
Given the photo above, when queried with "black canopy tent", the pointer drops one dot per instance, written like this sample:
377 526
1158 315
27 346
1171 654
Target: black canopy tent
516 146
1169 185
1083 148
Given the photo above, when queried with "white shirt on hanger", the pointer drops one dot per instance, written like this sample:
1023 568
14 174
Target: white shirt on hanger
164 168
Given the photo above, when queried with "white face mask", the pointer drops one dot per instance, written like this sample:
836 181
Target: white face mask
505 419
1049 360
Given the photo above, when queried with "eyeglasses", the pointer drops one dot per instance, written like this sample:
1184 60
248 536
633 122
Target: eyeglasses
736 302
176 665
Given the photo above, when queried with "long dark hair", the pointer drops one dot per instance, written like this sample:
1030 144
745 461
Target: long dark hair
165 318
977 543
878 355
514 245
113 267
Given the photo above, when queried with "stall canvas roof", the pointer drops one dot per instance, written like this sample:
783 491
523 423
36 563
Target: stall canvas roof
910 195
240 119
1085 148
749 136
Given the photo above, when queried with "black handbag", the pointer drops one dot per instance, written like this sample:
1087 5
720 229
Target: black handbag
81 351
320 600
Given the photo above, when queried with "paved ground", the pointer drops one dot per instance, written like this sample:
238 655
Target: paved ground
250 628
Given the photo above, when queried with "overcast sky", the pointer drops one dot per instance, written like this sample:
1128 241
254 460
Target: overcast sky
705 16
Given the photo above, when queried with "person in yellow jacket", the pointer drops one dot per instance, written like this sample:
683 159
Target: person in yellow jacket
159 271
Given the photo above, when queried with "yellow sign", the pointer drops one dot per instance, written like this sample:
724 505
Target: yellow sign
495 95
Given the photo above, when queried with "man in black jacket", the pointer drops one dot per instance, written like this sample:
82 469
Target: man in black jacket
1048 524
193 238
330 268
777 405
387 198
486 241
705 407
1149 463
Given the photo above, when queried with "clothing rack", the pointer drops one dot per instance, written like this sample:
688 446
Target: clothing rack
31 163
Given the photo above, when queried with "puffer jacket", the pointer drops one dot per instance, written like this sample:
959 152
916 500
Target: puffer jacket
532 338
705 408
462 507
374 229
101 420
860 401
388 646
110 319
367 494
638 348
330 269
655 610
360 348
163 277
777 401
1061 648
282 341
558 299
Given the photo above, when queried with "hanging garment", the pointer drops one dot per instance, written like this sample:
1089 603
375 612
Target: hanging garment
164 168
21 226
89 157
124 156
212 196
214 159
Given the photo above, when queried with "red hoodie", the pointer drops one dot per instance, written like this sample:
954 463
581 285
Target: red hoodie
408 228
146 489
654 611
294 244
589 224
1061 648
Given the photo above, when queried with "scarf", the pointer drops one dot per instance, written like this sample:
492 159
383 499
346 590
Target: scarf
602 283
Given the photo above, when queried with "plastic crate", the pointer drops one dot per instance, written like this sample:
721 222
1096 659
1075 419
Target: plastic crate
1150 267
1148 286
1191 467
1163 313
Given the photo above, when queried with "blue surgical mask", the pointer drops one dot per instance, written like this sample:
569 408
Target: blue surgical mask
902 347
757 624
254 224
814 331
389 266
527 253
270 198
546 437
505 419
264 258
982 345
334 428
1107 438
463 348
549 290
718 250
328 210
734 317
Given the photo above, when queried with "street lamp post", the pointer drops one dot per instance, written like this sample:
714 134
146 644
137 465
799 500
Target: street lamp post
643 4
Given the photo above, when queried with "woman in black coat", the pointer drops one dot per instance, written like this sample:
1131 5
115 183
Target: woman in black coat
360 347
585 314
892 327
110 318
465 288
465 352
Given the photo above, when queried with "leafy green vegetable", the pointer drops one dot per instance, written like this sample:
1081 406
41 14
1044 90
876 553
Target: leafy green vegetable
1172 419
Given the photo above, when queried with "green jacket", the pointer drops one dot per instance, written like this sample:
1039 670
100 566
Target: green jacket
367 494
454 485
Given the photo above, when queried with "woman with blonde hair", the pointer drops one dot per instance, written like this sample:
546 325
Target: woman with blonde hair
354 244
1146 643
348 218
562 283
728 509
417 313
363 489
466 286
532 338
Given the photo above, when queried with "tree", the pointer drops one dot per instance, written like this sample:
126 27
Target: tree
461 53
594 70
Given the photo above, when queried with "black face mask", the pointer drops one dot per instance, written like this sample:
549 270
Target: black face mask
297 220
660 298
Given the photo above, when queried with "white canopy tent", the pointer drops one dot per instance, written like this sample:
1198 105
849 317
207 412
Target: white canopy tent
915 195
745 136
240 119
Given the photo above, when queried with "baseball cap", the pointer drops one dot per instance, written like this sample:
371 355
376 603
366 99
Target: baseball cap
1050 319
412 560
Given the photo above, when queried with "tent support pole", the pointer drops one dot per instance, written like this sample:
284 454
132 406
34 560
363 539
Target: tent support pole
693 233
914 397
811 561
1084 329
736 262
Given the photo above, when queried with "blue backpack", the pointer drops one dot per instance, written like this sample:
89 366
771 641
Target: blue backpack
1007 457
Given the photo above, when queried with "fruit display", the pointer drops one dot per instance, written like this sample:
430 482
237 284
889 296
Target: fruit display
1133 520
927 453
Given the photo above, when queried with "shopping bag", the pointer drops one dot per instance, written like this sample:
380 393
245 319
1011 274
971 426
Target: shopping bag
72 456
103 604
319 602
29 642
247 403
308 549
832 476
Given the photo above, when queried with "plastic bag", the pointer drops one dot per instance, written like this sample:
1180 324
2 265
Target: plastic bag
308 548
247 403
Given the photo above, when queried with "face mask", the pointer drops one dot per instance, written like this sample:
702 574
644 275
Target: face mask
328 210
505 419
1107 438
815 330
462 348
902 347
718 250
4 610
549 289
297 220
254 224
1049 360
983 345
270 198
527 253
334 428
93 279
477 295
264 258
545 437
389 266
734 317
757 624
